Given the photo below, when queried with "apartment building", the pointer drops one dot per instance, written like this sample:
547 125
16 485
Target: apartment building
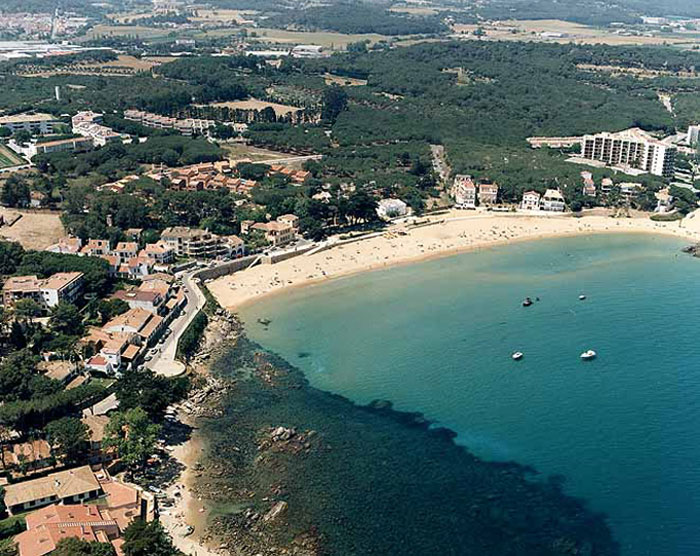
187 127
36 124
632 148
531 200
488 194
48 292
390 208
552 201
464 191
693 137
95 248
193 243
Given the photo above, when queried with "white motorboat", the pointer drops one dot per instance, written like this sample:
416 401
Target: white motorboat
587 355
582 297
517 355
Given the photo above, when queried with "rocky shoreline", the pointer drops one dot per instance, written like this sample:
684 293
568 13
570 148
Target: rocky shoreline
290 470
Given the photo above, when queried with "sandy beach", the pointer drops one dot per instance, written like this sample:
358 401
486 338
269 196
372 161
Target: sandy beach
455 232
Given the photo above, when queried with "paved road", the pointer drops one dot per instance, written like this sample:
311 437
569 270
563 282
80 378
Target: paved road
165 363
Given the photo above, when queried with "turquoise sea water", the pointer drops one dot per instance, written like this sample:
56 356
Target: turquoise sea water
436 337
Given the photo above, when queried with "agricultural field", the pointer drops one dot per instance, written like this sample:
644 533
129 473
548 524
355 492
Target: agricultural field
9 158
530 30
123 65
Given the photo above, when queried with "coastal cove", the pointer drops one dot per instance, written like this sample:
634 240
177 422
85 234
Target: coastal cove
436 337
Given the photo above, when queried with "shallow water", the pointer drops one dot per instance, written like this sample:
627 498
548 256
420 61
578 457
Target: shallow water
436 337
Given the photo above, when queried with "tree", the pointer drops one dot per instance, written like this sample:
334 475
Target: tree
335 100
73 546
134 435
11 254
148 539
70 436
15 192
153 393
3 508
22 137
65 319
28 309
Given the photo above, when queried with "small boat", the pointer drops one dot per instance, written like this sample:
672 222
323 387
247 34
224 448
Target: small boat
517 356
587 355
527 302
582 297
264 322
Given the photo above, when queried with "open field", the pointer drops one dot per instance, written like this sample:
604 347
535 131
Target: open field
255 104
35 230
341 80
119 31
638 72
240 17
239 151
335 41
9 158
530 30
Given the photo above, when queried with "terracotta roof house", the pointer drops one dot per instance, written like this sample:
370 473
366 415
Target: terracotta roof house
64 487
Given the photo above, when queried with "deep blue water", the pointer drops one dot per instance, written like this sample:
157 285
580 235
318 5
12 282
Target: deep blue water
436 337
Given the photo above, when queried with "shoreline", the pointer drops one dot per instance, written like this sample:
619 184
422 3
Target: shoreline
457 234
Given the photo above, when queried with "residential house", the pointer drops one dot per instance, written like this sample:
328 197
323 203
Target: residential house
135 268
291 219
126 250
664 201
235 246
589 188
151 301
96 248
488 193
60 370
391 208
276 233
552 201
137 321
606 185
103 523
23 457
68 245
159 253
114 349
531 201
72 486
96 430
464 191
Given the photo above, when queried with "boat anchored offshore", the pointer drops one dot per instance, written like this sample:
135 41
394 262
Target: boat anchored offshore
587 355
517 356
527 302
582 297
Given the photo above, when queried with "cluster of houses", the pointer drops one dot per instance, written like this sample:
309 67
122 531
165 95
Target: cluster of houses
79 503
90 125
187 127
298 177
128 260
466 193
205 176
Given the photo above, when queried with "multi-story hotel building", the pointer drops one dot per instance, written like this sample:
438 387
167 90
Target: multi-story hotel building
633 148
